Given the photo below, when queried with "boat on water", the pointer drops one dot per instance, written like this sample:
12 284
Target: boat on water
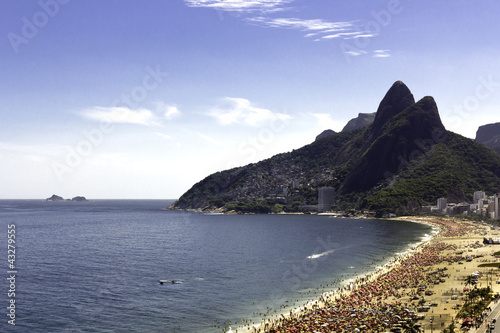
169 281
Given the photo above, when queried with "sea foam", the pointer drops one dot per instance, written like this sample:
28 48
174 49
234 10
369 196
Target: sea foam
319 255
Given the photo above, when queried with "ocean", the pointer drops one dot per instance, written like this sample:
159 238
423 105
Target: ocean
95 266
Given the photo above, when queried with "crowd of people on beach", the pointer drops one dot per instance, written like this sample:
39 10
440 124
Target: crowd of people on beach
373 303
453 229
383 300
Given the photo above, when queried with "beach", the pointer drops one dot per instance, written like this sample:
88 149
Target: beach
425 287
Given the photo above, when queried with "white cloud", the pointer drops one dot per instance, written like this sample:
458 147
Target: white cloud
322 29
125 115
364 35
168 137
341 34
169 111
240 5
241 111
307 25
381 54
325 121
355 53
122 115
35 153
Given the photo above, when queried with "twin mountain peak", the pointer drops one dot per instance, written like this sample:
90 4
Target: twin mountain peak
395 160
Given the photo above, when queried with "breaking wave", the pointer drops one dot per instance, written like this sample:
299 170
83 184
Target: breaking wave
319 255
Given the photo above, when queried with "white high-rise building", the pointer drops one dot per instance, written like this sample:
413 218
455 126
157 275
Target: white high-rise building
326 198
491 209
478 196
442 203
496 208
480 204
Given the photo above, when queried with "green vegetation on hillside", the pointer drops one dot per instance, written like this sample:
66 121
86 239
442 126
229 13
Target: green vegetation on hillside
405 159
454 169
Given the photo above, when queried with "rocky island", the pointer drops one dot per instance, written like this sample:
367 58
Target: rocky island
79 198
55 198
58 198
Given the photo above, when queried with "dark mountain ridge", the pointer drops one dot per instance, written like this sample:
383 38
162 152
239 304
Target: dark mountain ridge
393 144
489 135
362 120
403 160
325 133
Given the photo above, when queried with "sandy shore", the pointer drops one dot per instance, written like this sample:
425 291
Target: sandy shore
379 301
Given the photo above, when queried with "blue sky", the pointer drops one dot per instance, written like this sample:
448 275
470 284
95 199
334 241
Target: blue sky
129 99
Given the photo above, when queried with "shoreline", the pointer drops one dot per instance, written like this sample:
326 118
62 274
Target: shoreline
344 288
445 231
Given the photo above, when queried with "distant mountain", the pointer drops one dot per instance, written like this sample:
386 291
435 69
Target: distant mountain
489 135
362 120
401 161
325 133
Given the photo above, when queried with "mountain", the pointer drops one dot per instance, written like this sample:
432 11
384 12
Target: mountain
403 160
489 135
325 133
362 120
391 145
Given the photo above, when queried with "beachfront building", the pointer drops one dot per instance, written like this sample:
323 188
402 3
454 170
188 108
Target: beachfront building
483 205
442 205
491 210
480 205
479 195
457 209
326 198
496 217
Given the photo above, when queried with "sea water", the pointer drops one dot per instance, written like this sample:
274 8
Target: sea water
95 266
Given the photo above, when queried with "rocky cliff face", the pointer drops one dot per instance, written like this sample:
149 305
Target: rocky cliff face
489 135
487 132
403 136
362 120
395 101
